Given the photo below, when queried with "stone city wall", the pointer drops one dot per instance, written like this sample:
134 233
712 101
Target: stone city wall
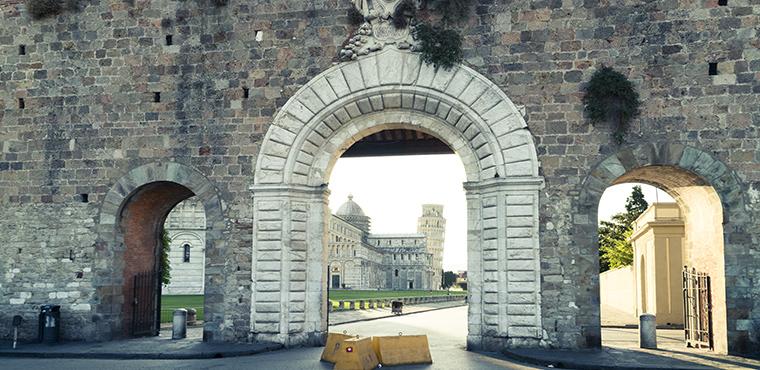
103 94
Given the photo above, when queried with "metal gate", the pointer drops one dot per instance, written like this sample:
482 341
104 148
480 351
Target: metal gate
697 308
144 304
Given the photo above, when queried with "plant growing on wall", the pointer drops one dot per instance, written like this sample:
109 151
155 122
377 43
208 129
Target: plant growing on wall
40 9
610 96
438 46
450 10
166 269
404 11
355 17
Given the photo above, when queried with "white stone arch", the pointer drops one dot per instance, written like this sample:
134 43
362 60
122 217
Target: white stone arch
393 80
395 90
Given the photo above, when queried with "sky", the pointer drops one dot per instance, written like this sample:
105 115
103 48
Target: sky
391 190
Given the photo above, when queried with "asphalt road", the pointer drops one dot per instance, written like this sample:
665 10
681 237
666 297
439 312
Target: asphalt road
446 330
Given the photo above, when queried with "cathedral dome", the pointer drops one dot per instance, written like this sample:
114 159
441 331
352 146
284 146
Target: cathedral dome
350 208
353 214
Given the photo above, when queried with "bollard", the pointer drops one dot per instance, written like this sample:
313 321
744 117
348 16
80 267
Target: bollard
179 324
648 331
17 320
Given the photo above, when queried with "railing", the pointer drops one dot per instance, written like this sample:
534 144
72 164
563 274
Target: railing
697 304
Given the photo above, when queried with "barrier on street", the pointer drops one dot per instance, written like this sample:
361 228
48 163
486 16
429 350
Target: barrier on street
357 354
402 350
333 346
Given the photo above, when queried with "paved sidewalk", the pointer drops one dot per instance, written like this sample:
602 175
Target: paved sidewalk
193 347
161 347
621 351
344 317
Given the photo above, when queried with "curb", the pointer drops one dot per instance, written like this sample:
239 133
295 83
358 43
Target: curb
573 364
392 315
146 356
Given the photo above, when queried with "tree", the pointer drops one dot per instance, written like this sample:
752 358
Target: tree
615 249
166 269
635 204
449 278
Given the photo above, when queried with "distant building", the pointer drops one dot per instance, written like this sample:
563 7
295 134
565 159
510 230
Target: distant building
653 283
357 259
360 260
186 226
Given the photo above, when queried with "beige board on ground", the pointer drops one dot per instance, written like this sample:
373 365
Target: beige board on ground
402 350
334 346
357 355
348 352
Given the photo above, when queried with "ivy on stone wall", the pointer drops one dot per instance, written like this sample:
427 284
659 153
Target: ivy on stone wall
611 97
40 9
438 46
166 269
451 11
404 12
355 17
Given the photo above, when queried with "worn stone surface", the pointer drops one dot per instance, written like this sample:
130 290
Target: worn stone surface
88 81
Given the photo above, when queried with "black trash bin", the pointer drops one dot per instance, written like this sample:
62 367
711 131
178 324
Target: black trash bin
397 307
50 323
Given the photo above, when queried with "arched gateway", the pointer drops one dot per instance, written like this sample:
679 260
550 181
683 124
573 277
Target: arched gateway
388 90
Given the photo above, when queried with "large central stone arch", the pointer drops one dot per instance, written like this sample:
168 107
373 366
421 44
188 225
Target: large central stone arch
395 89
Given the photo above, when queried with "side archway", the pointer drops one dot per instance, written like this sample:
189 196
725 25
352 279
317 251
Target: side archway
717 225
395 90
129 225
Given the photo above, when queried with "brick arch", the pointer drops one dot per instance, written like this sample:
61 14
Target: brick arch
153 190
705 188
473 109
394 89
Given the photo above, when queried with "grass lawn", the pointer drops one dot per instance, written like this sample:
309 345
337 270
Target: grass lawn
169 303
347 295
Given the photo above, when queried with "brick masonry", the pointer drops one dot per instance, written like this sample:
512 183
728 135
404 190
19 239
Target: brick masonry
88 80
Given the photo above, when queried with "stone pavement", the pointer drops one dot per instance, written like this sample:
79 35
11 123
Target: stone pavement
161 347
620 351
620 346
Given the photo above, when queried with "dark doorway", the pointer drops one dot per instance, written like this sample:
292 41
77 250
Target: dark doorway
336 281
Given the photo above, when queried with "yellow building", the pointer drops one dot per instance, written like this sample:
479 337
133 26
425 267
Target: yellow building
653 283
658 260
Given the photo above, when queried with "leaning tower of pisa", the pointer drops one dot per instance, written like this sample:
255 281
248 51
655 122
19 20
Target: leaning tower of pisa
433 225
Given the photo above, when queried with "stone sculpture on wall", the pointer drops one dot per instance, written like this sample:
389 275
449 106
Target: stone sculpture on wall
377 31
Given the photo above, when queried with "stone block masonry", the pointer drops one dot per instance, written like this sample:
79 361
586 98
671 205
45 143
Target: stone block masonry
44 263
88 81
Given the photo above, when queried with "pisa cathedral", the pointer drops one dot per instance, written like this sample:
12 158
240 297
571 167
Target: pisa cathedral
357 258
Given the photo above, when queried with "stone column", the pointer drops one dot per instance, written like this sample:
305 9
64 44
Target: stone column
289 264
503 263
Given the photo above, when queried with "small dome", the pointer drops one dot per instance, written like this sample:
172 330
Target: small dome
350 208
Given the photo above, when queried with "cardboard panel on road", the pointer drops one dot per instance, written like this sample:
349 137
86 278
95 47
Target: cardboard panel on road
402 350
333 346
357 354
